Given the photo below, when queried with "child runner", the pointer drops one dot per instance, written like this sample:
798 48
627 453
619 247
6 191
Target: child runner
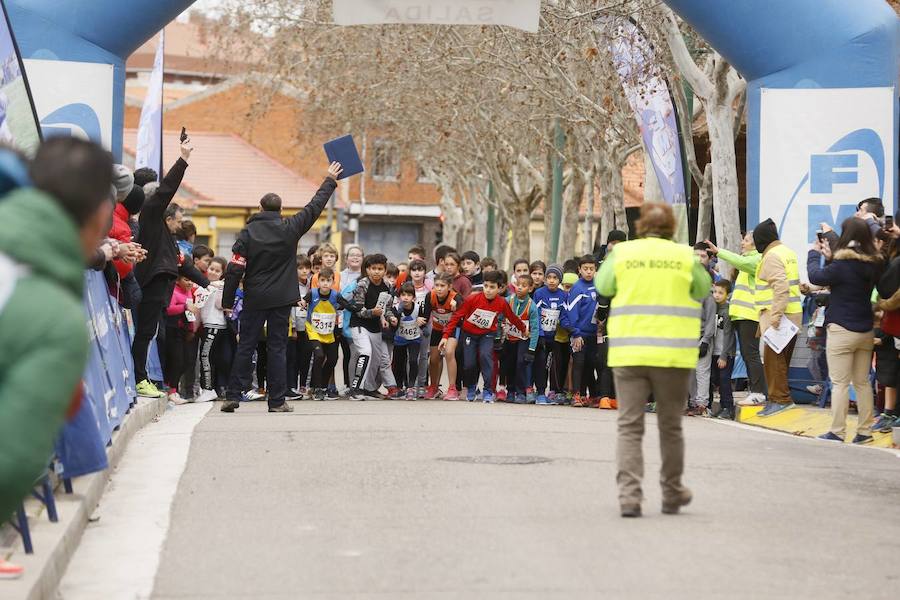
580 317
329 256
472 269
699 400
409 317
423 287
550 301
521 343
370 302
478 316
442 303
538 268
299 352
213 362
723 350
323 306
180 318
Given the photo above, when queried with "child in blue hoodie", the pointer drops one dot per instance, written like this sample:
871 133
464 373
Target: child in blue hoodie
580 317
550 301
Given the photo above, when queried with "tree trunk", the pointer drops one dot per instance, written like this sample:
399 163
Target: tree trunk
720 121
608 192
453 217
520 240
548 205
587 239
573 200
704 211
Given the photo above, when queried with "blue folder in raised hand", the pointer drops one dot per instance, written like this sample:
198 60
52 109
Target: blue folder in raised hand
343 150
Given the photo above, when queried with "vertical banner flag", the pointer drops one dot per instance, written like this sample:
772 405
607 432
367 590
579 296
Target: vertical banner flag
821 151
648 94
149 141
521 14
18 119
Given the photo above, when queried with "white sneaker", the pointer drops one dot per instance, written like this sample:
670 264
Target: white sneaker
815 389
206 396
254 395
9 570
176 399
754 399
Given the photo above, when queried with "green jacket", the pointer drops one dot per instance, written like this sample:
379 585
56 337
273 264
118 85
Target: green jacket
43 338
745 263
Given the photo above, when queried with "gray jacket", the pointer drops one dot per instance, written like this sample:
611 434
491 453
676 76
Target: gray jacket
725 344
708 321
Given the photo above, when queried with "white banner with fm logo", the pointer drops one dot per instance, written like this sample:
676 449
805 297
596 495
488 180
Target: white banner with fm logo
521 14
822 151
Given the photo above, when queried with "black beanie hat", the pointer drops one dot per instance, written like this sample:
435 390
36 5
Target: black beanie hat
764 234
134 201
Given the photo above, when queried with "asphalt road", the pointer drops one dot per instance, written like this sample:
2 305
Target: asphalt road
456 500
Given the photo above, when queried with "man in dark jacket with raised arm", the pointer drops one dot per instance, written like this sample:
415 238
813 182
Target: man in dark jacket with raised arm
265 256
159 219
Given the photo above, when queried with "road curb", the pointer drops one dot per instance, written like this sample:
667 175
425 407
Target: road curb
55 543
805 421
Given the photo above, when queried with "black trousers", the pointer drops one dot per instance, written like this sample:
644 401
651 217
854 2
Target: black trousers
299 357
177 351
583 365
606 387
406 364
542 364
324 359
559 365
252 322
756 376
150 315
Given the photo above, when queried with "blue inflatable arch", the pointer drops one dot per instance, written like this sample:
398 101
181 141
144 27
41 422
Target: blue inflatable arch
92 31
807 44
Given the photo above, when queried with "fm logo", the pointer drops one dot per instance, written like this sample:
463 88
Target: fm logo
834 168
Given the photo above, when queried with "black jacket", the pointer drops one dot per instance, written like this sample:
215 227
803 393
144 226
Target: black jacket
163 255
265 255
851 277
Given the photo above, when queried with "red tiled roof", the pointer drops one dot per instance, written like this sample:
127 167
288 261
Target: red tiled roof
226 171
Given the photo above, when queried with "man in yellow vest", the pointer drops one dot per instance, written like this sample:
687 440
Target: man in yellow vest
654 337
743 313
777 297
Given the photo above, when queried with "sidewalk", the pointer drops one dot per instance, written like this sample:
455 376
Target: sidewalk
806 421
55 543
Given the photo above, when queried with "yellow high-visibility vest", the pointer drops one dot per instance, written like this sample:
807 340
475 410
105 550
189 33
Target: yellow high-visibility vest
764 295
653 320
743 299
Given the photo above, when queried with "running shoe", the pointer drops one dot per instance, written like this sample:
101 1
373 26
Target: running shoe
542 400
176 399
831 437
488 397
472 394
752 400
884 423
395 393
775 408
578 401
593 402
253 395
329 394
530 397
411 394
862 439
206 396
431 392
146 389
10 571
521 399
320 395
501 395
452 393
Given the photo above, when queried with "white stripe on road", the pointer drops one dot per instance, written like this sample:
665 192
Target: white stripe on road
119 553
